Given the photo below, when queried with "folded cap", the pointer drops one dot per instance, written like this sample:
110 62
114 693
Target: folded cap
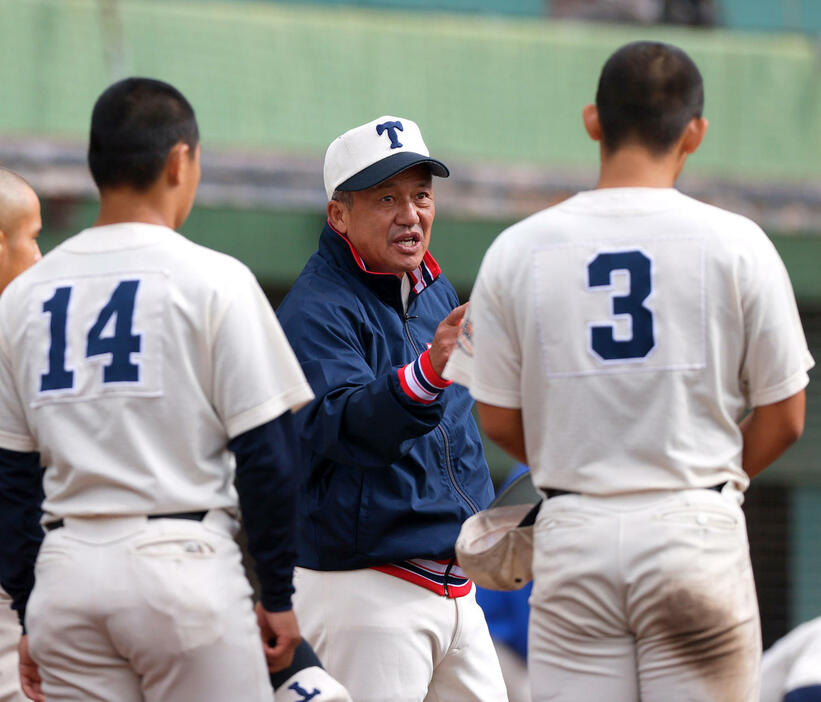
495 546
366 155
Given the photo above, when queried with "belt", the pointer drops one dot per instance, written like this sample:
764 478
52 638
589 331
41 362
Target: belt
194 516
551 492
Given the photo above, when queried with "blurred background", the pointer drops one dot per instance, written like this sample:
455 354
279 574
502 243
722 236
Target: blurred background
497 87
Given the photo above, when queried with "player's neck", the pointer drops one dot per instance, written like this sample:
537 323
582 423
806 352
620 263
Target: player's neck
635 167
126 205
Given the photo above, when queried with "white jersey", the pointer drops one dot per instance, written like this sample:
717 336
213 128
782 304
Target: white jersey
129 357
792 662
633 327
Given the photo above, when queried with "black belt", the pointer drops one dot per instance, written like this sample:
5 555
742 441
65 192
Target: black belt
551 492
194 516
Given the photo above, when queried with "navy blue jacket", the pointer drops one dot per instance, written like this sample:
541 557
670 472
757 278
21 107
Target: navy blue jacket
388 475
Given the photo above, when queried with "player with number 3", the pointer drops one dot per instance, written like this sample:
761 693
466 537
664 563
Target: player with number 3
618 340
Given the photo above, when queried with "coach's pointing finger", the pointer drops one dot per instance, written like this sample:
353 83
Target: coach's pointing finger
444 341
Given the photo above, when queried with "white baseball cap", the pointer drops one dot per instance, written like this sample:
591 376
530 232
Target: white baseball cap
373 152
495 546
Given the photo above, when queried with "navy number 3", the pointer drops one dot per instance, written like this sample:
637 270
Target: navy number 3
642 339
120 344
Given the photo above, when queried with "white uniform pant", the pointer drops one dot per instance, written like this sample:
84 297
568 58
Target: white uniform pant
131 609
9 638
388 640
646 597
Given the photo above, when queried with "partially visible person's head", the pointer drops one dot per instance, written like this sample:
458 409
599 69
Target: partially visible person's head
20 226
648 94
135 125
379 182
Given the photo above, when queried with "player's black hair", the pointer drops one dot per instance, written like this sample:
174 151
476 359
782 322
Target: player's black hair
134 125
648 93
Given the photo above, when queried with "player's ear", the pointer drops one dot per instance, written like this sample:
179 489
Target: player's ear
590 116
338 216
694 134
175 163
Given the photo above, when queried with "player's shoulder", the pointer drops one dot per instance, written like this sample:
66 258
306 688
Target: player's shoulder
513 245
729 235
808 632
733 223
193 267
551 221
210 266
199 271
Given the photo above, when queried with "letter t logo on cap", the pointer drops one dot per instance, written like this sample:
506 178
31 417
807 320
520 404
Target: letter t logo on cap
390 128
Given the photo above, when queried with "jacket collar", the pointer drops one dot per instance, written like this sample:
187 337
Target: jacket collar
339 249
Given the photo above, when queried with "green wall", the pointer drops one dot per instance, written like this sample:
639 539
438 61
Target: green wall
484 89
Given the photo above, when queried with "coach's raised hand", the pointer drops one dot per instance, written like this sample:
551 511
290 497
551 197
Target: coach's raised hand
444 341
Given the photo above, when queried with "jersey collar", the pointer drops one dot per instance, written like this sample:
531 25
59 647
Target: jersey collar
117 237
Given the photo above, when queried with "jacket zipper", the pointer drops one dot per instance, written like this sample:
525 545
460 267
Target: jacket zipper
448 463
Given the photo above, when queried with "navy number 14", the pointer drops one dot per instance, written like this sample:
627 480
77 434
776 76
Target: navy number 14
120 344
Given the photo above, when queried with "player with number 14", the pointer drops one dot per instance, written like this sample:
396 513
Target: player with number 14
133 363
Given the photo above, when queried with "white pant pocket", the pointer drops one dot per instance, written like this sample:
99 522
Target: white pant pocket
178 577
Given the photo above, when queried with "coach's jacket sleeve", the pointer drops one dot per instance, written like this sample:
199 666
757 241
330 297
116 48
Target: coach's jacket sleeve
360 416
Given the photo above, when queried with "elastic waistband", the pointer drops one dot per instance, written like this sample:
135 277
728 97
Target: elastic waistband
193 516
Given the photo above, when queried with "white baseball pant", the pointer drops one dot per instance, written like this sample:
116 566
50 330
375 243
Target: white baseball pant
9 638
134 610
645 596
388 640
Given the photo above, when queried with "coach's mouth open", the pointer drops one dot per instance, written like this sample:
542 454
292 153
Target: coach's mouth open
408 242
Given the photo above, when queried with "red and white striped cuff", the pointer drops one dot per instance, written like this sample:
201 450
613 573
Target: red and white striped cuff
420 382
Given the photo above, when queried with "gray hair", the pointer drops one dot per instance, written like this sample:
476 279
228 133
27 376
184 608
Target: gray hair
343 196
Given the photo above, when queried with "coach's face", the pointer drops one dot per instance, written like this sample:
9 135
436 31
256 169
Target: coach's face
389 224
